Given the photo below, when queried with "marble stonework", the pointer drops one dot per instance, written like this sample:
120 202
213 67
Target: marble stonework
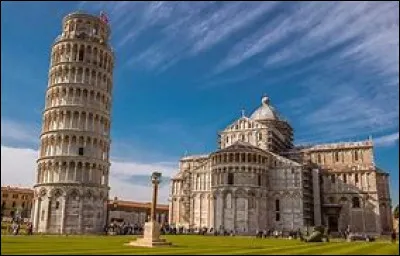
257 179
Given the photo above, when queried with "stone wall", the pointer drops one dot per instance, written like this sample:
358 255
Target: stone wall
69 210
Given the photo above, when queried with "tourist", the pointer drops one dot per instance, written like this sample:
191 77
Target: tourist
15 228
393 236
29 229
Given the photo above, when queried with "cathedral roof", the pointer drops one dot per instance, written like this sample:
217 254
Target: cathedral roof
240 146
381 171
265 111
285 160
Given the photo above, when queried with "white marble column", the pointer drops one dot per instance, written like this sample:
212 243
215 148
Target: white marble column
246 214
34 211
63 203
48 214
80 220
37 212
200 209
234 210
170 211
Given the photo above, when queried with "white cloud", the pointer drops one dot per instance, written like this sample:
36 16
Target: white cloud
18 167
16 131
386 140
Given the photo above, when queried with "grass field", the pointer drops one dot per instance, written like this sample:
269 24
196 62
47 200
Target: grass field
187 245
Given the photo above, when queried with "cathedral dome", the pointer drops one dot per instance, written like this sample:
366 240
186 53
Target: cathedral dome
265 112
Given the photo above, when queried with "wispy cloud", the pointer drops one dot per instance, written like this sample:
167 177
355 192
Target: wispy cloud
349 48
186 29
386 140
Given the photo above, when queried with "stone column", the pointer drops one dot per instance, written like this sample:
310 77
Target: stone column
80 220
363 212
200 209
212 211
170 212
234 211
222 220
378 219
48 214
37 212
316 195
155 180
63 215
209 211
246 214
34 212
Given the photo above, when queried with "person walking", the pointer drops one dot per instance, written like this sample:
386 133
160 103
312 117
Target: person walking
393 236
29 229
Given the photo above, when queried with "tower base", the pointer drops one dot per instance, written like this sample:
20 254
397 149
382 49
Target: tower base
151 237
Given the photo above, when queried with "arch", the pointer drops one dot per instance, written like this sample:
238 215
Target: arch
343 200
43 192
73 193
57 192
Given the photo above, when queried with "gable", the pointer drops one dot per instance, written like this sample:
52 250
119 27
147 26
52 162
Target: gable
243 123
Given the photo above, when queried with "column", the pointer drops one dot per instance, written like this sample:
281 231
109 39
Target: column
234 210
222 209
214 208
71 118
37 211
170 218
246 213
48 214
178 215
378 219
63 202
90 174
80 220
209 211
154 201
200 208
86 127
75 171
316 195
34 211
363 212
93 122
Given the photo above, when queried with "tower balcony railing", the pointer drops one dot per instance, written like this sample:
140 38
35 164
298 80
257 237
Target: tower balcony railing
94 105
92 38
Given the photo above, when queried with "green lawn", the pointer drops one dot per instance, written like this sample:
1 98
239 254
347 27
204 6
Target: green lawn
186 245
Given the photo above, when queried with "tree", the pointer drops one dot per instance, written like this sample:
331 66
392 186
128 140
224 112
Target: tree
396 212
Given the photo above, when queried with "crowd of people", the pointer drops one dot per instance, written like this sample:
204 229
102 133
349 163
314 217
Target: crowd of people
16 226
123 228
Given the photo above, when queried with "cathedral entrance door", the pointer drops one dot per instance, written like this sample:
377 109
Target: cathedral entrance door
333 223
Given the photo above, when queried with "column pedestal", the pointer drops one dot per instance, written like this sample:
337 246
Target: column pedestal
151 237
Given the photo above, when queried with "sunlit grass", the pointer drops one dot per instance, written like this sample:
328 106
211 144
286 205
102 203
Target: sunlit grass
190 244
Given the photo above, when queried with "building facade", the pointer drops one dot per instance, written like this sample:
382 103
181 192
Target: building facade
71 191
16 201
257 179
135 213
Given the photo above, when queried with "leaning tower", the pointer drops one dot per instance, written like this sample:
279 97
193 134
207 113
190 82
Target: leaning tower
71 188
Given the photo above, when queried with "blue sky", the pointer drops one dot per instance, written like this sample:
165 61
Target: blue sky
184 71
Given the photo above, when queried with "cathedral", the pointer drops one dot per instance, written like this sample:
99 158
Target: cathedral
257 179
